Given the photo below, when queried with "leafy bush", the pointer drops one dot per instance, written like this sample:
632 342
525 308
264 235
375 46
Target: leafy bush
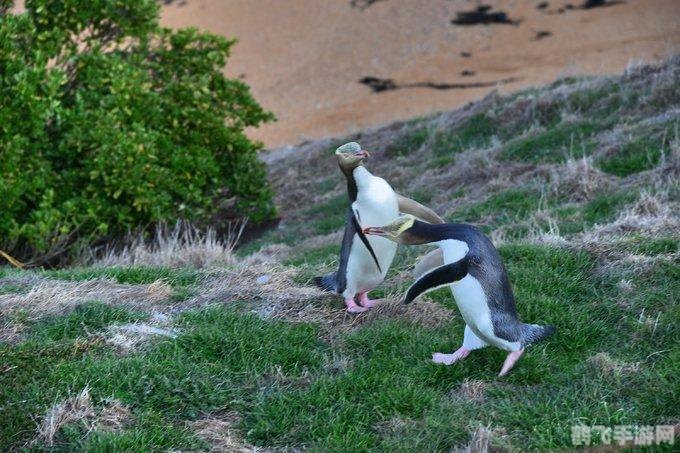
110 122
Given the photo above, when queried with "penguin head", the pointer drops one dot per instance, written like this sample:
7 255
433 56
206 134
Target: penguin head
350 155
396 231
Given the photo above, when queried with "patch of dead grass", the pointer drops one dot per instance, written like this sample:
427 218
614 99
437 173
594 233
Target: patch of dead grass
129 337
180 246
423 312
272 293
220 432
578 180
51 297
269 254
79 409
651 214
471 390
12 332
609 366
395 425
270 282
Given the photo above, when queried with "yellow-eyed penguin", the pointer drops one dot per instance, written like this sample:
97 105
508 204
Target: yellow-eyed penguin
364 262
479 283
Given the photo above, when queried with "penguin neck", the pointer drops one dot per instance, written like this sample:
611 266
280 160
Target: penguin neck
424 233
357 178
362 176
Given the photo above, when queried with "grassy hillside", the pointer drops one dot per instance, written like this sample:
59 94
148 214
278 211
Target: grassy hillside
187 345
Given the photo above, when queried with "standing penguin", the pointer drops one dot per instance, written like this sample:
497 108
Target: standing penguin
364 262
478 281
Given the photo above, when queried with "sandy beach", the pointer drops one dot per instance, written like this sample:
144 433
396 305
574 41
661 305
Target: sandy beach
304 58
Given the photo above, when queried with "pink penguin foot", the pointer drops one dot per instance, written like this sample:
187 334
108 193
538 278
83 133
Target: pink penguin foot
448 359
352 307
510 361
364 301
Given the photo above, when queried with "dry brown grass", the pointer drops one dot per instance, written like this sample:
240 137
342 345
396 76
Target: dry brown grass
273 293
220 433
484 439
471 390
652 214
607 365
180 246
578 179
423 312
50 297
669 166
80 410
129 337
395 425
270 282
479 442
12 332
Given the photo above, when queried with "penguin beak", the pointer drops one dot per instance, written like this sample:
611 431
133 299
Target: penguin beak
362 154
375 231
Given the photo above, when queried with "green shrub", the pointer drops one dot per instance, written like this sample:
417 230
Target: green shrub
110 122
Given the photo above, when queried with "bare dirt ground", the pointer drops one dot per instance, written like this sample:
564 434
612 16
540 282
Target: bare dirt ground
304 58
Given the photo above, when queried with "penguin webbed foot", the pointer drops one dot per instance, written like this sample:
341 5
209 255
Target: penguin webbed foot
364 301
510 361
352 307
448 359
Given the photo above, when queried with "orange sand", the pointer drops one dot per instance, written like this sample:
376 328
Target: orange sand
303 58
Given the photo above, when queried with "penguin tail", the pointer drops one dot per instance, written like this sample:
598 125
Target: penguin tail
327 282
533 333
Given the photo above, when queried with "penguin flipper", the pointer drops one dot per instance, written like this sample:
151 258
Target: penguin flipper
364 239
422 212
440 276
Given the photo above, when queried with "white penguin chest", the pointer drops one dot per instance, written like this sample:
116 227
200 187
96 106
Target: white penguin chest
376 205
469 293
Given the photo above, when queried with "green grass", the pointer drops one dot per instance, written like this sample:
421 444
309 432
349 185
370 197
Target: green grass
600 101
222 358
10 289
650 246
392 377
500 208
603 208
633 157
555 144
476 132
313 256
83 320
226 360
408 143
131 274
330 215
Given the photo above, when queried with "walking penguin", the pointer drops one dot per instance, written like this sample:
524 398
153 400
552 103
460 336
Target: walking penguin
364 262
479 283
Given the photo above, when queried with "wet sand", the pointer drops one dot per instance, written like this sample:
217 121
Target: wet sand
304 58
